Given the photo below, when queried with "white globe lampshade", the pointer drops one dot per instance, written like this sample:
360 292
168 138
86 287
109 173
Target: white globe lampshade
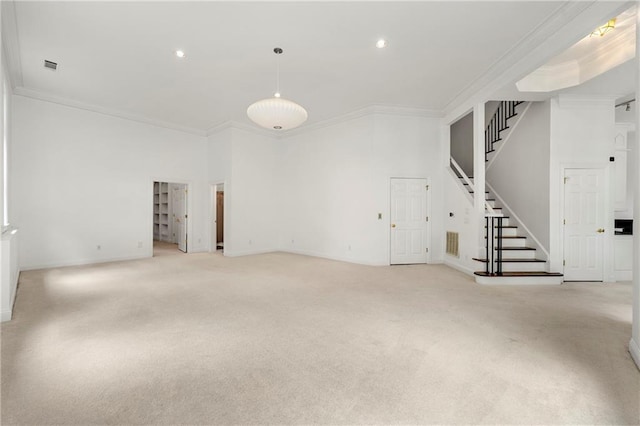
277 113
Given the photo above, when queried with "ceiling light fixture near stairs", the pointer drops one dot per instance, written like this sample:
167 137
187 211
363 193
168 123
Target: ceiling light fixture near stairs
277 113
603 29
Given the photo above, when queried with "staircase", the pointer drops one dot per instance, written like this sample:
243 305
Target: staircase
508 258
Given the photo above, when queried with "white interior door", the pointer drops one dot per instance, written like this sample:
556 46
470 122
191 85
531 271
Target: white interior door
180 215
584 224
408 221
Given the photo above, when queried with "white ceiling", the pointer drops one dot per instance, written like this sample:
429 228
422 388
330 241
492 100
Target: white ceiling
120 55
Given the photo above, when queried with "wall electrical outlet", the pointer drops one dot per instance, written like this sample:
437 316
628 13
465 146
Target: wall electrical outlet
139 244
379 216
98 247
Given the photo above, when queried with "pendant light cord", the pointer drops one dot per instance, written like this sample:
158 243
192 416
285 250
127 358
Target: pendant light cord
278 52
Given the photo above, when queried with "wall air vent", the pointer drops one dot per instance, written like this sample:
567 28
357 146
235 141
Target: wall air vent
50 65
452 244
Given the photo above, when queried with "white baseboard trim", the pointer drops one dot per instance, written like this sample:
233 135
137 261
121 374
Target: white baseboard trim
81 262
6 315
624 275
458 266
634 350
334 257
229 253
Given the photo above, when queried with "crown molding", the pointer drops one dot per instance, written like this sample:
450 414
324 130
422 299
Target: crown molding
34 94
11 42
241 126
365 111
362 112
566 23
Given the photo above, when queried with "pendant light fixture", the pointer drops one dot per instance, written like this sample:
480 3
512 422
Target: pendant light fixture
277 113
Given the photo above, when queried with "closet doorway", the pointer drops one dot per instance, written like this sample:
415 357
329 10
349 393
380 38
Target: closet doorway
169 218
217 218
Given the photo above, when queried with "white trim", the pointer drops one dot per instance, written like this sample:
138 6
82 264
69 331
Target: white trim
11 43
506 139
241 126
624 275
519 221
363 112
6 315
82 262
34 94
333 257
634 350
457 266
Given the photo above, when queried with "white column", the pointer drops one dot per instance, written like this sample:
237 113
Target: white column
478 158
478 172
634 344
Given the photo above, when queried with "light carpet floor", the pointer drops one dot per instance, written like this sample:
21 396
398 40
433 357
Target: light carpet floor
286 339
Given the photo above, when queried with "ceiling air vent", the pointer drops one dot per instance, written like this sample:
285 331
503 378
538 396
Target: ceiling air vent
50 64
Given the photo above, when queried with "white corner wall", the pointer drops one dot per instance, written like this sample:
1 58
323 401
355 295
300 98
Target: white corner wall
82 179
336 180
582 135
9 269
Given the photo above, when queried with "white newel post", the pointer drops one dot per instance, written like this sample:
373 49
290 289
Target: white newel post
479 169
634 344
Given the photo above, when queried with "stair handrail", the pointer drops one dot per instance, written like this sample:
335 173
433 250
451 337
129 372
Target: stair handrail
498 123
489 211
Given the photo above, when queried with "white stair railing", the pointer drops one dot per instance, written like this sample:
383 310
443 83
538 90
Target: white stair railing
458 170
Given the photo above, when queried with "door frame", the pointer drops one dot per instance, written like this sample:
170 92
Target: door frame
188 185
608 273
213 232
427 210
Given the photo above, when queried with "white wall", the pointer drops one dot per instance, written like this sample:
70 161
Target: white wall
582 132
462 143
82 179
519 172
461 217
336 180
252 198
9 269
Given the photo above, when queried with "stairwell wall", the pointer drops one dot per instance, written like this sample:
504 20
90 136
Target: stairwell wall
462 143
520 171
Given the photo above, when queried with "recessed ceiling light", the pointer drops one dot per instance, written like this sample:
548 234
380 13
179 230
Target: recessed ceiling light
381 44
180 54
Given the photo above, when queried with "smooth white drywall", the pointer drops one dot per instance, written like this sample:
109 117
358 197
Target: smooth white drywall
462 143
582 135
9 270
253 205
520 171
82 179
336 181
461 217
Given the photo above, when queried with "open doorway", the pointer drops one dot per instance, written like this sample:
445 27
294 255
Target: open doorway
169 218
217 218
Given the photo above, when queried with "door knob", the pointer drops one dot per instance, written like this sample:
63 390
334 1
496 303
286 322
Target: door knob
600 230
393 225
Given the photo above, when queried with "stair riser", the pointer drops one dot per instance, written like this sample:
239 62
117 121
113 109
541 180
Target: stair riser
519 280
514 242
518 266
518 254
508 232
